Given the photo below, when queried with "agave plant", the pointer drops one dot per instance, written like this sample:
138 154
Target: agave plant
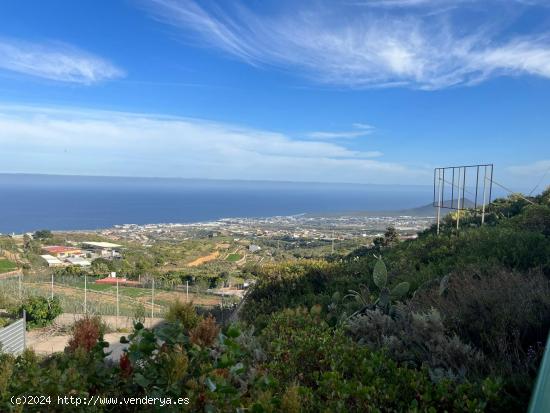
385 296
361 296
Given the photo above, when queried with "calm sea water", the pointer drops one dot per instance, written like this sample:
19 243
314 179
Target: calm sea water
30 202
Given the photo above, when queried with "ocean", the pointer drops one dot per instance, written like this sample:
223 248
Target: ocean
31 202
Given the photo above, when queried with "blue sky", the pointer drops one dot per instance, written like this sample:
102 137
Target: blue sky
378 91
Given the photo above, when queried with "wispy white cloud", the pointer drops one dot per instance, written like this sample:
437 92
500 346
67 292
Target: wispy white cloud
531 170
63 141
55 61
359 46
360 129
409 3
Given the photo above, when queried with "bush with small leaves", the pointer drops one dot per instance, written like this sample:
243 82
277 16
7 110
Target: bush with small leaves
417 340
205 332
87 332
183 313
40 311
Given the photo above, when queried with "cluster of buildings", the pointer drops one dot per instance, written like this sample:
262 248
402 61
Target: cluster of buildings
60 255
309 227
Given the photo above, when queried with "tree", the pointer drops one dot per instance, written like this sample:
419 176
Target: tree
31 245
390 237
71 270
43 234
101 266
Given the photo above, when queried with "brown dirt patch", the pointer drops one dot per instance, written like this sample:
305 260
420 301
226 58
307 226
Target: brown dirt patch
204 259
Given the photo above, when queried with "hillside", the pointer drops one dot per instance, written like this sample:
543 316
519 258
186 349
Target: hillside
484 288
456 322
427 210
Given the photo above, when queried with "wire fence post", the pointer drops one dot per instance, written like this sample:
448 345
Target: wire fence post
117 305
458 200
85 294
52 287
439 199
484 196
20 288
222 308
152 301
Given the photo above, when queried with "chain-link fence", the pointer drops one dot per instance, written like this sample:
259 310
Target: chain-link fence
147 297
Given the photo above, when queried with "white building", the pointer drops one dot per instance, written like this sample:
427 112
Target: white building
52 261
78 261
103 249
254 248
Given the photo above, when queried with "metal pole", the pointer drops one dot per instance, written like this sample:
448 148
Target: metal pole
52 286
187 291
20 292
152 301
117 306
439 200
484 195
85 294
24 329
477 185
453 189
458 201
491 185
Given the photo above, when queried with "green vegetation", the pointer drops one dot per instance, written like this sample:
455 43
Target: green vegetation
456 322
234 257
101 298
43 234
40 311
183 314
290 368
478 304
7 266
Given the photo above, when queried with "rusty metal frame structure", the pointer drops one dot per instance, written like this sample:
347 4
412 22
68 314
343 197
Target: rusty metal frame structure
458 178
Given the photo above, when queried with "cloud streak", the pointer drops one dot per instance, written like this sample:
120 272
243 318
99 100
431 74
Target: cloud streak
55 61
42 140
532 169
362 47
360 130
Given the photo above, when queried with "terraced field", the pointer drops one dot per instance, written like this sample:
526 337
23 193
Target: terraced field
7 266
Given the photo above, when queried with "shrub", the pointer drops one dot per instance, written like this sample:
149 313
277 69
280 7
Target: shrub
139 313
331 372
534 218
40 311
417 340
175 363
87 332
291 285
205 332
502 312
505 314
291 402
431 257
183 313
7 364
